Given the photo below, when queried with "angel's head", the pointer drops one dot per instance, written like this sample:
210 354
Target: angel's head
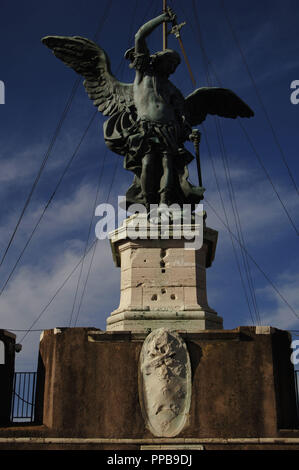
165 62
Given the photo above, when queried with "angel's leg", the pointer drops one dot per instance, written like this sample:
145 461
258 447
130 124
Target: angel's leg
166 183
148 179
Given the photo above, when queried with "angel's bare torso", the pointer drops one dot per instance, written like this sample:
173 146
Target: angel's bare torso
156 98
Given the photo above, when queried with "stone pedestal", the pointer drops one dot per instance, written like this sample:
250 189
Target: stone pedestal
238 384
163 282
100 390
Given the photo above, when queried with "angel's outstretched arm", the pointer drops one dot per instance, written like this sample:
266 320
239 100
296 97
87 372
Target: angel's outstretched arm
147 28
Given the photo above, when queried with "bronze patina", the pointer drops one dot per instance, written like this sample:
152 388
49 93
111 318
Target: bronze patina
149 119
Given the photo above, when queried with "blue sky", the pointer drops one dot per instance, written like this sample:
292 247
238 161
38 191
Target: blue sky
37 87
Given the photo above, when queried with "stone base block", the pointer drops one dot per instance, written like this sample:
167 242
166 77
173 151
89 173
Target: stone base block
145 321
242 386
163 283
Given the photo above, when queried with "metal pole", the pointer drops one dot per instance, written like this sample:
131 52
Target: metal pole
13 398
187 61
165 32
176 28
195 138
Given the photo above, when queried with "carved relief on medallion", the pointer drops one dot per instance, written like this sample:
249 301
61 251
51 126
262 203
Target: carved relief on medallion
164 382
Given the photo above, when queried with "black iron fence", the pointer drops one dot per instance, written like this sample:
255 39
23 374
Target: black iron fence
23 399
297 392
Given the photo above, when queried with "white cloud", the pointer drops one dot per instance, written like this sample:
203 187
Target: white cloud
19 166
278 314
64 217
258 206
33 288
51 256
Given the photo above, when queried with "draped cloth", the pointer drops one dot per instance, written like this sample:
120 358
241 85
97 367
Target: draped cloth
127 135
133 138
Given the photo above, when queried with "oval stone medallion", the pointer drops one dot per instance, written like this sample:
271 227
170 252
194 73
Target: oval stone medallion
164 382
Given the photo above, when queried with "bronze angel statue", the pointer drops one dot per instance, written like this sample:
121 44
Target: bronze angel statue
149 120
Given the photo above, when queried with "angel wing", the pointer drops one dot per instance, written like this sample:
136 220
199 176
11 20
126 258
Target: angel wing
92 62
213 100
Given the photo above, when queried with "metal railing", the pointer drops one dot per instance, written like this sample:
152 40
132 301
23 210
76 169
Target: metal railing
23 399
297 393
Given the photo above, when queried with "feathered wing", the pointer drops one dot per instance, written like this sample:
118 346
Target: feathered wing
91 61
213 100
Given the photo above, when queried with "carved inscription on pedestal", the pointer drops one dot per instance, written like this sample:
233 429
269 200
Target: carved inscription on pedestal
164 382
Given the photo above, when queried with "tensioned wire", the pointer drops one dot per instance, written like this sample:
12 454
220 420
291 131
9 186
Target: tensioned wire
86 250
92 245
74 89
52 142
268 177
245 132
114 172
230 185
233 204
276 140
48 204
208 62
256 264
65 170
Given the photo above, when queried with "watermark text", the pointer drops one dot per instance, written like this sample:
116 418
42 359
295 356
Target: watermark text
295 353
160 221
2 92
295 94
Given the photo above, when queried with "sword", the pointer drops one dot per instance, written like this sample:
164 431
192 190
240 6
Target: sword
165 32
176 30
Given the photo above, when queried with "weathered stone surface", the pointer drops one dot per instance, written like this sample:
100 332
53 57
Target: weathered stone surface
164 383
242 385
160 279
144 321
